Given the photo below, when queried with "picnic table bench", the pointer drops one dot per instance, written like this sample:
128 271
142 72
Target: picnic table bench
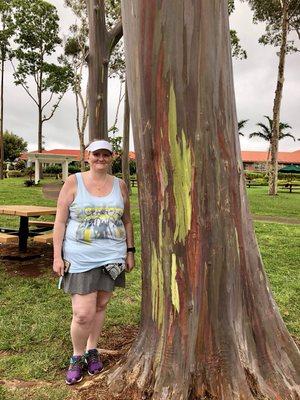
44 238
133 182
7 238
290 186
24 212
250 183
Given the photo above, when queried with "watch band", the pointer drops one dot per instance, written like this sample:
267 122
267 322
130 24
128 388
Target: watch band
130 249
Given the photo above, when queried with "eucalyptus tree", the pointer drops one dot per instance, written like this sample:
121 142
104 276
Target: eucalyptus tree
6 33
76 54
282 18
36 39
105 32
209 327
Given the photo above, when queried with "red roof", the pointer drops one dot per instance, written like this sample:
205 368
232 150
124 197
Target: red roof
261 156
247 156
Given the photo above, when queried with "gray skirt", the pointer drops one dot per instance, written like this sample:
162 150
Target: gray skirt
91 281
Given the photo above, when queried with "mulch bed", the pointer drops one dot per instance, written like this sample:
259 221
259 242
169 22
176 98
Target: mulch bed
27 267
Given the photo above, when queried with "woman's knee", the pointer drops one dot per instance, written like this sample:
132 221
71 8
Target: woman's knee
83 317
102 302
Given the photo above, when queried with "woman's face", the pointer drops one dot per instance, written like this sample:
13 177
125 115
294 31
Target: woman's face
100 160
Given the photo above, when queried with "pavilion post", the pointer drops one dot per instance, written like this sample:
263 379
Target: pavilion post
65 170
36 171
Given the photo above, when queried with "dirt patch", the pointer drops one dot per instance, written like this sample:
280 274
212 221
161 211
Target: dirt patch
117 342
273 218
51 190
19 384
28 267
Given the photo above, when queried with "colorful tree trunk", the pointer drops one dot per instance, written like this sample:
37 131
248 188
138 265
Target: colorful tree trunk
101 44
273 173
126 131
210 328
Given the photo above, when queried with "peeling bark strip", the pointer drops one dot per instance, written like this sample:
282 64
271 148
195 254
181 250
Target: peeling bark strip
210 327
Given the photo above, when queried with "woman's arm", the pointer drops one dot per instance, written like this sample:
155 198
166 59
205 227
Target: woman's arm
126 218
65 198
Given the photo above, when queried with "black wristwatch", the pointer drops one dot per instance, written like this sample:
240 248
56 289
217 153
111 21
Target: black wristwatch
130 249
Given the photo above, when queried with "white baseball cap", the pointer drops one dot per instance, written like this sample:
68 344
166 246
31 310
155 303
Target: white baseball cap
100 145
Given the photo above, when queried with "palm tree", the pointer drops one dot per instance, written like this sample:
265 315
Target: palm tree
266 132
241 125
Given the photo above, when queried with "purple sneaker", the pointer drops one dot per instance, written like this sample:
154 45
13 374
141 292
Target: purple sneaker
75 371
94 364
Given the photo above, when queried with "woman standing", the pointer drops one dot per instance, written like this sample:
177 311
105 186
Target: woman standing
93 238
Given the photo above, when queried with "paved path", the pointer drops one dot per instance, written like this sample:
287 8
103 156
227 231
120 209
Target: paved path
277 219
51 190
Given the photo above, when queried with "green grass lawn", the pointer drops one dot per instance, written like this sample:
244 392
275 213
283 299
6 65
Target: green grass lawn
35 316
284 204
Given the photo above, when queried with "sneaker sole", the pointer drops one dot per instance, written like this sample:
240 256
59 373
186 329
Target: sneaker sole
74 382
96 373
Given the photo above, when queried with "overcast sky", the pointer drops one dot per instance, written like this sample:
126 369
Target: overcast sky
255 81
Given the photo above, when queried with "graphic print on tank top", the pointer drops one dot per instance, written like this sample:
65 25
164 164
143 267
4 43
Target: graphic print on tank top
99 223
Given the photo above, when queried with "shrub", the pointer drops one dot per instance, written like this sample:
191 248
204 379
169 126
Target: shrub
29 182
249 175
29 172
14 174
132 167
20 165
73 169
53 169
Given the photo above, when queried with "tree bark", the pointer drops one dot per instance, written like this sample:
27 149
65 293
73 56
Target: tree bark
273 174
101 44
1 116
210 327
98 70
126 129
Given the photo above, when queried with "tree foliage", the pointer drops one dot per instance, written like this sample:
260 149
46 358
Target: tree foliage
14 145
266 130
37 38
7 28
241 125
270 12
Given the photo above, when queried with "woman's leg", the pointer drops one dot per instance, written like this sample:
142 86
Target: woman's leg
98 321
84 311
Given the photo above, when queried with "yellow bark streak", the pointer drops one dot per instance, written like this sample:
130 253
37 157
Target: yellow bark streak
157 286
174 285
182 173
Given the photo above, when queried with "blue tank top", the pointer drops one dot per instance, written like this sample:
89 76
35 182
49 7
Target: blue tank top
95 233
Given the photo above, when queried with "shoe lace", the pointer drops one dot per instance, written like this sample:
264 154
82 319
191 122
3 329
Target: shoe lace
75 363
93 356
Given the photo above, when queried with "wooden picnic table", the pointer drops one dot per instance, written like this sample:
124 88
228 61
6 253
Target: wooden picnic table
24 212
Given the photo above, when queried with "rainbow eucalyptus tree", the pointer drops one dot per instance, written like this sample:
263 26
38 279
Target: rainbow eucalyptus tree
210 327
105 31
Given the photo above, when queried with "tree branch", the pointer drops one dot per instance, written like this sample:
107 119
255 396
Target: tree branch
24 86
114 35
54 109
47 102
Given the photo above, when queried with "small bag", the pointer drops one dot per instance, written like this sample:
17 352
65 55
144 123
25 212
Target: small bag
114 269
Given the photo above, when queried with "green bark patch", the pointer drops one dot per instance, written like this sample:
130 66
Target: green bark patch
182 173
